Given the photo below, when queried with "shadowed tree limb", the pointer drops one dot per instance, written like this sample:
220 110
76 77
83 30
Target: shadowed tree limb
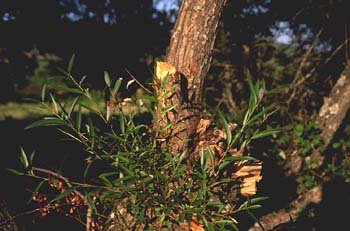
329 118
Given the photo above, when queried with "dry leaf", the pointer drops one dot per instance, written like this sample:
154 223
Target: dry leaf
163 69
195 226
129 83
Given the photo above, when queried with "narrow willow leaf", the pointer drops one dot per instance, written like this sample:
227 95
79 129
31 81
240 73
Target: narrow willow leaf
117 85
46 122
227 161
54 102
227 128
202 159
257 199
82 80
107 79
122 123
169 108
90 109
259 115
78 119
215 203
91 133
63 72
211 155
31 157
87 170
69 89
223 222
15 171
265 133
70 65
253 92
64 194
162 129
74 103
37 188
24 159
105 181
43 93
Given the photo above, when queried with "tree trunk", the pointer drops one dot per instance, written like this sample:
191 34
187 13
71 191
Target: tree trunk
190 52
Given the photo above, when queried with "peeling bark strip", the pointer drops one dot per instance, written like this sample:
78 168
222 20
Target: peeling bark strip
190 52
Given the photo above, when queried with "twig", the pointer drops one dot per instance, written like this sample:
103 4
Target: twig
68 183
140 84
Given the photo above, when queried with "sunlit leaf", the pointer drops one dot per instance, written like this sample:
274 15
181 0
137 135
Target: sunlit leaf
70 65
265 133
46 122
24 159
107 79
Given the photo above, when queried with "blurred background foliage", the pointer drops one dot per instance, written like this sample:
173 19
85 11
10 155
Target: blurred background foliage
299 48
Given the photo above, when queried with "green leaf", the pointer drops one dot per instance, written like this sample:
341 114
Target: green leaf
265 133
37 188
82 80
87 170
15 171
259 115
69 89
299 129
24 159
223 222
107 79
227 128
162 129
122 123
117 85
231 159
54 102
31 157
336 145
46 122
64 194
169 108
214 203
249 202
91 202
74 103
43 92
253 92
78 119
70 65
105 180
254 207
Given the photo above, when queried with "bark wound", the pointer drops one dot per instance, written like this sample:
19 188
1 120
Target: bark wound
190 52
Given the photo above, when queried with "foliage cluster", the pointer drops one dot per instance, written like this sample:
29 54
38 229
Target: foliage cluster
139 184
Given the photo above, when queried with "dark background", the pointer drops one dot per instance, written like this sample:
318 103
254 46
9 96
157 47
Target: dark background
269 37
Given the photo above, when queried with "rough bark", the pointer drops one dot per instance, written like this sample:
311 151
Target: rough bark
190 52
329 118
